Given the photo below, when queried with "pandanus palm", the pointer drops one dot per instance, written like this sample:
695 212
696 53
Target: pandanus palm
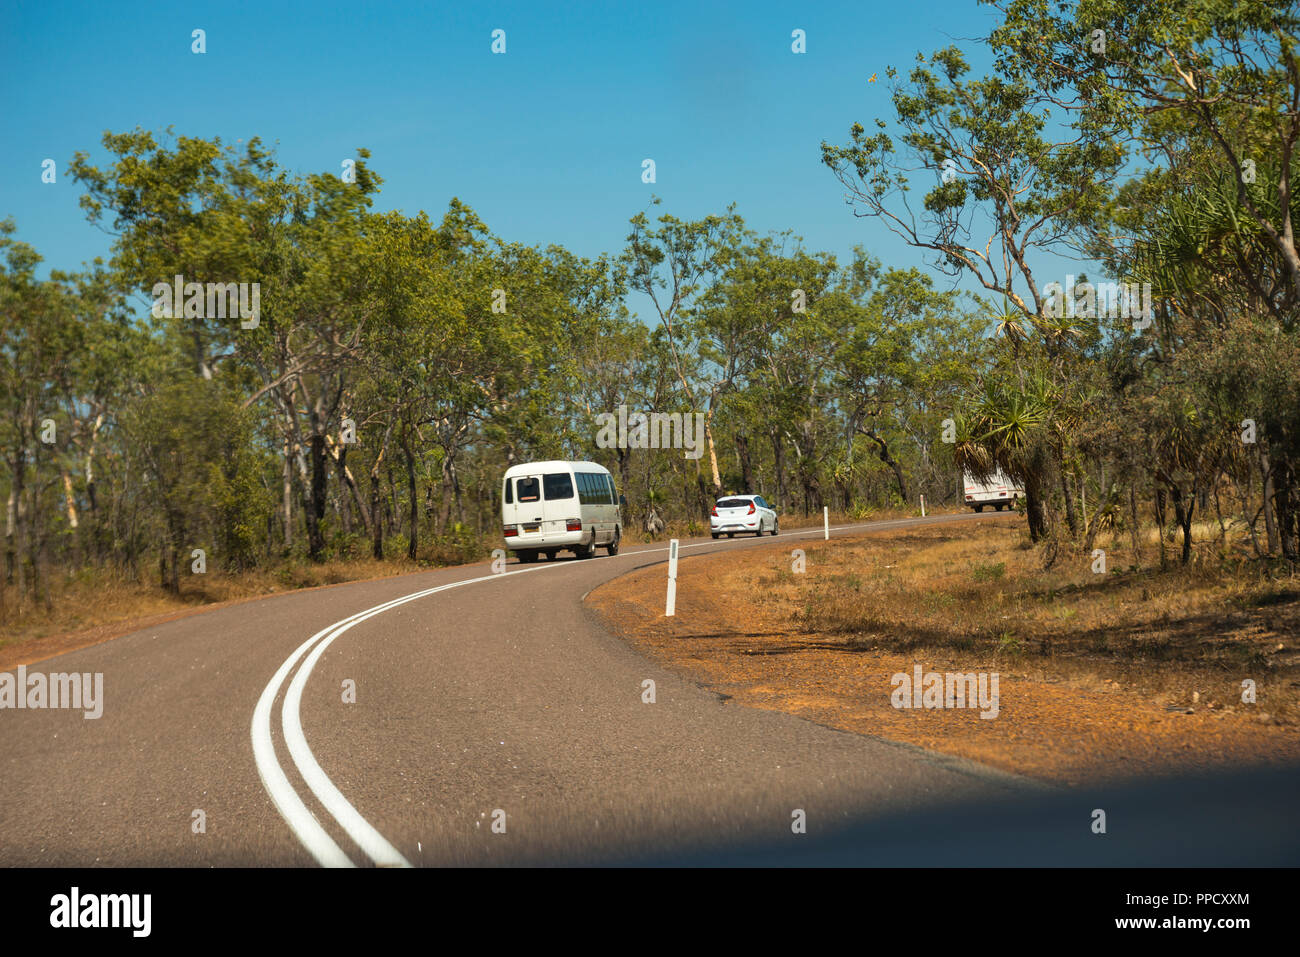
1009 427
1011 323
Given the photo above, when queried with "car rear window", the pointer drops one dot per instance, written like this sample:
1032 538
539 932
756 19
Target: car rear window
528 489
733 503
557 486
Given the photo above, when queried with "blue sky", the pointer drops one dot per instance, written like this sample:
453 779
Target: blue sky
545 142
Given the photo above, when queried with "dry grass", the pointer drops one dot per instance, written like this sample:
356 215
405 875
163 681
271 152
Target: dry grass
1133 672
1186 636
96 604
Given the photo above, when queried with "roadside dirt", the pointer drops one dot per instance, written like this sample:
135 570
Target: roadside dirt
747 627
129 615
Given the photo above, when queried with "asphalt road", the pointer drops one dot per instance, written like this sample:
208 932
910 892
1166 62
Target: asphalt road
496 722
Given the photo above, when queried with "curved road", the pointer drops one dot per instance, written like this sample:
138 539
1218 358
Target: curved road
482 699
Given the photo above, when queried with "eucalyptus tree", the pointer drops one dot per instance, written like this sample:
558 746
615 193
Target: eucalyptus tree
901 368
1009 182
612 363
35 336
1227 73
770 322
674 263
1006 180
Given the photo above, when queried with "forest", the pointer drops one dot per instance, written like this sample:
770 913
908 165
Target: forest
266 367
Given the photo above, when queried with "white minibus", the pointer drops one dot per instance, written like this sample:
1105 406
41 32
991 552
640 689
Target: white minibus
549 506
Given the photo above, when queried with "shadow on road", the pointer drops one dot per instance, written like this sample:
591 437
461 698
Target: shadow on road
1244 819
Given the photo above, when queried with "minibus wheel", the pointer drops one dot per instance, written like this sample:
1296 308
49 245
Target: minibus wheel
612 548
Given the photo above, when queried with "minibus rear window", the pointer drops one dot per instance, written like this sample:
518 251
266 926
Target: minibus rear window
557 486
527 489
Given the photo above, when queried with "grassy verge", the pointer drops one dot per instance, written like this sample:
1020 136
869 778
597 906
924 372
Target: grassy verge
1129 671
1187 636
95 605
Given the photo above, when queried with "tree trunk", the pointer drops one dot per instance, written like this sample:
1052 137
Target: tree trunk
778 460
1270 521
11 518
287 495
1035 506
1183 511
1283 481
1071 519
316 501
882 450
1133 525
413 540
746 467
624 469
377 526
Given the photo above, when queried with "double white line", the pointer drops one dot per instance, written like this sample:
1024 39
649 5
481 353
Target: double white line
296 814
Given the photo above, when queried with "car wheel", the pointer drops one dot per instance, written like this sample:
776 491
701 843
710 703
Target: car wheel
713 534
612 548
775 527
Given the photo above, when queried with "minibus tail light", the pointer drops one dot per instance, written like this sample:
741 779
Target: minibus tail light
573 525
511 531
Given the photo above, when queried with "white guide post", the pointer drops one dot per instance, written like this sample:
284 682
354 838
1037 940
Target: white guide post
671 608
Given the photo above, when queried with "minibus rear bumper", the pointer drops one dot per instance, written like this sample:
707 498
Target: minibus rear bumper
539 541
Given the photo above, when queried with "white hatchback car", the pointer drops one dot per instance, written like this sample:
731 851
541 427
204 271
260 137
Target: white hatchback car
742 513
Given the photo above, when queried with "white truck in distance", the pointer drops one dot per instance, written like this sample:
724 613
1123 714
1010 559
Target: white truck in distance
999 491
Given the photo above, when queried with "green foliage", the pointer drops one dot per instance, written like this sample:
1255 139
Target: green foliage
401 362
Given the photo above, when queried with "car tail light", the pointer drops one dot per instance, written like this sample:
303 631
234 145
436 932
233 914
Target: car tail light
573 525
511 531
714 513
752 510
